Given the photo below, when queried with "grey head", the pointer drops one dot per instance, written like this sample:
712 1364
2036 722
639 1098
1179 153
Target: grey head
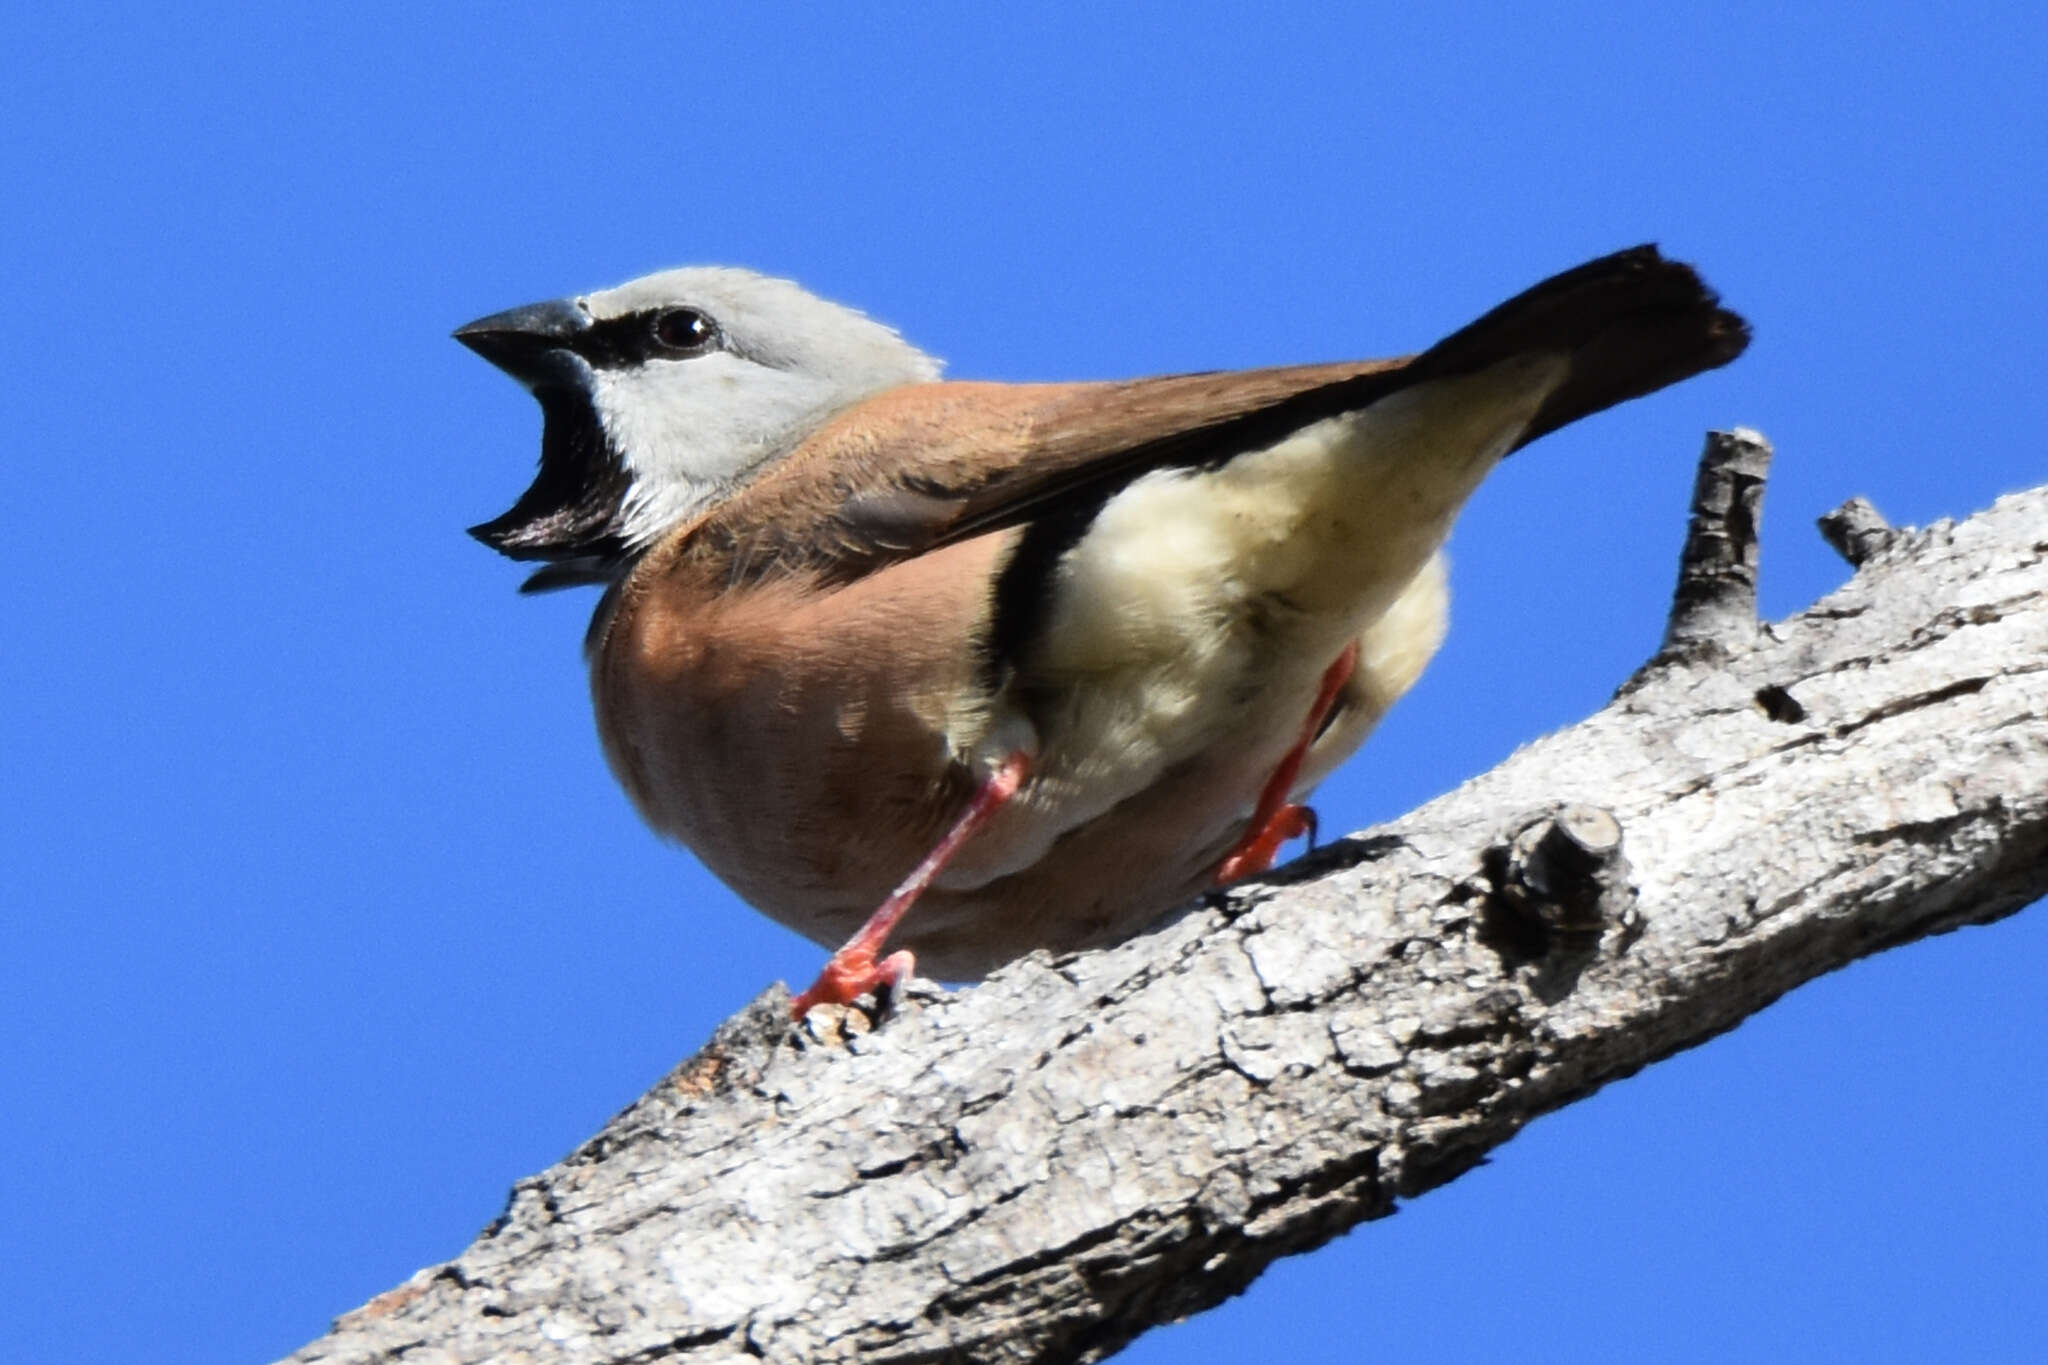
663 396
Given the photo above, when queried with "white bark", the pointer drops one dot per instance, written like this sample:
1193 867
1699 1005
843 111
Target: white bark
1039 1168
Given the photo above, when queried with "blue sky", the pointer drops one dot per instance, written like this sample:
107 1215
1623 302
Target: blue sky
325 922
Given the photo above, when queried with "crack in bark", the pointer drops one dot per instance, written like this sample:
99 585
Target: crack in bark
1962 687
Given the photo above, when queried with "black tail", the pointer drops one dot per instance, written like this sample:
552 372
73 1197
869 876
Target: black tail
1632 323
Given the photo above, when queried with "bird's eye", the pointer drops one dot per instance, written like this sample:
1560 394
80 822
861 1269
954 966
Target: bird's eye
685 330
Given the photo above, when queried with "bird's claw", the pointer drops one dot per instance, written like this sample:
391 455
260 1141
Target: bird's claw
851 974
1258 851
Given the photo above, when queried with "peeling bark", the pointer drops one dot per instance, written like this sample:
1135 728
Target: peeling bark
1040 1168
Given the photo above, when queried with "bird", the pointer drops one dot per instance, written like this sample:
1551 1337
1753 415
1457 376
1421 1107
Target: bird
968 669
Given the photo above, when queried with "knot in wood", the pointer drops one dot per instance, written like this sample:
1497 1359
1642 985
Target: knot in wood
1564 875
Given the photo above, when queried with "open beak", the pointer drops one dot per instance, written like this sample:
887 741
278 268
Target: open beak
534 344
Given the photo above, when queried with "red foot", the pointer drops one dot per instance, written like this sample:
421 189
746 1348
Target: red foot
853 971
1275 819
1258 851
851 974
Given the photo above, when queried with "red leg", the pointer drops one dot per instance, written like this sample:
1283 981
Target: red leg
853 971
1276 819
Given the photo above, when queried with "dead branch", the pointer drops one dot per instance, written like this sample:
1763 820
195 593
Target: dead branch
1042 1167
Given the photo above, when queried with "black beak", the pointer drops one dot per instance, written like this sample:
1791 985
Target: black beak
535 344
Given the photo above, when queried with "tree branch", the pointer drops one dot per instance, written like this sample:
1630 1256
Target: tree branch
1040 1168
1714 609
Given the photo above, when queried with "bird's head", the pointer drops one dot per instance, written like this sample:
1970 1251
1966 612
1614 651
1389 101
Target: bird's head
664 395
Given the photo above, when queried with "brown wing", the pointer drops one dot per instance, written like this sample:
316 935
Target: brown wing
928 465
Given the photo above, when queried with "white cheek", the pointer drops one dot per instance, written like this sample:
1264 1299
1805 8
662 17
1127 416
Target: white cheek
690 429
685 419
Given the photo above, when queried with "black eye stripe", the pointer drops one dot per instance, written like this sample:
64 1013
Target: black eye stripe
633 338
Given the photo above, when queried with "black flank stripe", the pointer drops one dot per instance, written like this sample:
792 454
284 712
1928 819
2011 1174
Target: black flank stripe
1023 592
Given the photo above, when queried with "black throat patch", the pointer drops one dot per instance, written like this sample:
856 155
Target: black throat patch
570 514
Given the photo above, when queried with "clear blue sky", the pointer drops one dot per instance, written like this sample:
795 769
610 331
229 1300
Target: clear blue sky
323 920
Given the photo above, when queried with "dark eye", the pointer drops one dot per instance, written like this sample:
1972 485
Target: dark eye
685 330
